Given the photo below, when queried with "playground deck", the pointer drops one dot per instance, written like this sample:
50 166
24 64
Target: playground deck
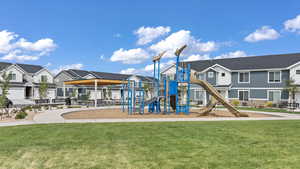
117 113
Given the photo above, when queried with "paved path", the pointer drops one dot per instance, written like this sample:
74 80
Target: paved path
54 116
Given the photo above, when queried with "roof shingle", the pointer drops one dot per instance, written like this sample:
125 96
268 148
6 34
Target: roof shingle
248 63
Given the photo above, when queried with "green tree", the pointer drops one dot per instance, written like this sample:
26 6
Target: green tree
292 88
4 84
43 90
74 93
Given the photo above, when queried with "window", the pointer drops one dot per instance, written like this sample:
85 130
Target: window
298 72
243 95
244 77
44 78
223 74
12 76
59 92
210 74
274 77
274 95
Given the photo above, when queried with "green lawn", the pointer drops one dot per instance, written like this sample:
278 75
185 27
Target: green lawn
264 109
207 145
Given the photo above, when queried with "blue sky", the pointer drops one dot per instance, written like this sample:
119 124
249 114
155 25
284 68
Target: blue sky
115 36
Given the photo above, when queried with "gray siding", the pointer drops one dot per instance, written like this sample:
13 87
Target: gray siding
233 93
259 93
260 79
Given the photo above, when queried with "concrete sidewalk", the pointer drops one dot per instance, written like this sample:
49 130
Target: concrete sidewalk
55 116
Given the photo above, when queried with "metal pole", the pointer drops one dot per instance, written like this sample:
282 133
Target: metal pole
95 93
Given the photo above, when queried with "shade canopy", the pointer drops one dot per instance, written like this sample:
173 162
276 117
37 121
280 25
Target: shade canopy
95 81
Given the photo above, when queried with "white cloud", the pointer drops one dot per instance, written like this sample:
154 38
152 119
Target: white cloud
197 57
264 33
293 25
12 48
235 54
5 41
150 68
129 71
180 38
17 55
132 56
148 34
66 67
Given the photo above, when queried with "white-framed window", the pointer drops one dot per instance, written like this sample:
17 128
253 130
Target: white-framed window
210 74
44 78
298 72
244 77
243 95
274 77
60 92
274 95
12 76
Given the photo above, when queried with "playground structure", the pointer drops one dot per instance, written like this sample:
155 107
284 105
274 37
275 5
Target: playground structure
171 93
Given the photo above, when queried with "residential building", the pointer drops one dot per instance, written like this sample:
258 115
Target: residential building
25 80
252 80
111 92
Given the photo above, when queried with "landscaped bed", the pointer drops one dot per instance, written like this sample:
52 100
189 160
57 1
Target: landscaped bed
230 144
117 113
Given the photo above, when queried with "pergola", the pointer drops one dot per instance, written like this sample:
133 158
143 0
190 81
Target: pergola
95 83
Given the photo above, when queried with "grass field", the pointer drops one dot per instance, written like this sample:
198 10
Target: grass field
230 144
277 110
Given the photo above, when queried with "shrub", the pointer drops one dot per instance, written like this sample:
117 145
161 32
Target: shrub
21 115
236 102
244 104
269 104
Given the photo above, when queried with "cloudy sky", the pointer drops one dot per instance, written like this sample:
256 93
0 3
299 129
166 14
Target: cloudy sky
122 36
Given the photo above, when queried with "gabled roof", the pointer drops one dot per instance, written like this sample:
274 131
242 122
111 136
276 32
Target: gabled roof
80 74
4 65
112 76
26 67
280 61
30 68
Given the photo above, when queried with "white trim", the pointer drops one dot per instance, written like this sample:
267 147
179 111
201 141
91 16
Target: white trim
274 77
258 70
243 98
274 91
212 67
239 77
293 65
89 75
223 67
17 67
243 88
258 99
75 73
42 70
